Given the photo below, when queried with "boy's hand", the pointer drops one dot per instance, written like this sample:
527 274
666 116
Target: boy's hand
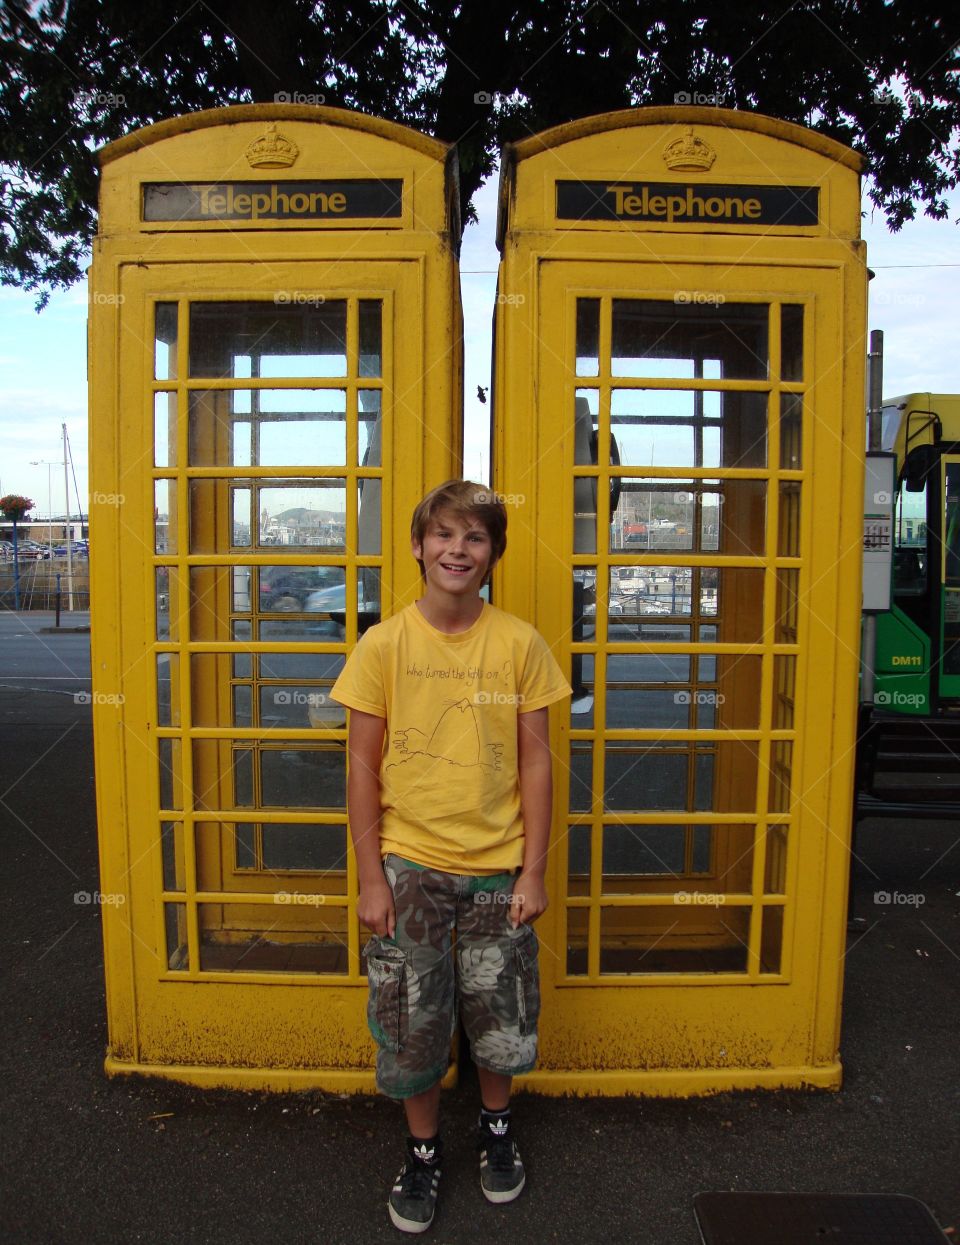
375 908
529 899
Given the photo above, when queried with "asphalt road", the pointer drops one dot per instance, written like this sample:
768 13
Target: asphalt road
84 1158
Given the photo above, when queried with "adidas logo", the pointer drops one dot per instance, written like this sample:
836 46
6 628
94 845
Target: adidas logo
423 1154
499 1127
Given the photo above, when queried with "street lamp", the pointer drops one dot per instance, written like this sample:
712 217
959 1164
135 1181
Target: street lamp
39 462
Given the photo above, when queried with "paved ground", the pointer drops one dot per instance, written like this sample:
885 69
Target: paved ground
86 1158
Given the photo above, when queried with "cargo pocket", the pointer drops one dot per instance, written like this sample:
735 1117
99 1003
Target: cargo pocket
525 950
385 967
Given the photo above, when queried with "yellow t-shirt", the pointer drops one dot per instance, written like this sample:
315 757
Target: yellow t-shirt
449 786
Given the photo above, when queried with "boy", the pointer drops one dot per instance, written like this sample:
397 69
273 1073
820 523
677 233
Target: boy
449 797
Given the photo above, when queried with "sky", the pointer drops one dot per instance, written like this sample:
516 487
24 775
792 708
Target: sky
913 299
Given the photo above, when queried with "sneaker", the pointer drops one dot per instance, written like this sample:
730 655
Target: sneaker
413 1198
501 1168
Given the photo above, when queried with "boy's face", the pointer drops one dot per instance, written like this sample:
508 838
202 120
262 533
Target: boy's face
456 555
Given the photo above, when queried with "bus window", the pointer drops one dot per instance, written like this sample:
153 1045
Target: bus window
910 543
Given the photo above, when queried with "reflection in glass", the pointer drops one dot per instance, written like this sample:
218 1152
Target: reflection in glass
584 514
368 516
303 514
689 428
658 338
775 862
788 606
168 689
633 851
588 336
371 337
582 682
771 939
162 597
300 777
171 850
241 516
781 772
171 784
578 860
586 415
581 775
164 429
286 339
165 516
679 776
653 940
791 431
578 926
732 594
165 344
584 603
791 341
242 705
300 937
788 541
268 427
175 928
369 428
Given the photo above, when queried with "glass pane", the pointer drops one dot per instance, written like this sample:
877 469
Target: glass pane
371 337
659 338
299 706
303 777
317 848
584 514
788 606
775 865
672 940
689 516
582 682
326 666
368 516
784 679
686 428
165 343
287 589
268 427
680 776
781 772
175 926
162 596
242 706
584 603
578 926
165 516
171 847
266 339
788 540
303 514
588 336
369 428
791 341
581 775
641 850
171 784
168 689
586 416
636 857
771 940
578 860
295 934
164 429
791 431
730 596
241 516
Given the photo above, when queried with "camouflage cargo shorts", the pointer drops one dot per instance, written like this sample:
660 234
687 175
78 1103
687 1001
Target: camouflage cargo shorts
419 980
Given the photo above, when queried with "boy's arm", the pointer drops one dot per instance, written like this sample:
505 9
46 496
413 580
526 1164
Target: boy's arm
536 798
365 748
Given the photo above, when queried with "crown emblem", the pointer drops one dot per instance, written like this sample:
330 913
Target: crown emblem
689 153
272 150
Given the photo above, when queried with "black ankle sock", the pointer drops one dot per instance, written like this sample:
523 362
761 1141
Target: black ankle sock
432 1144
490 1118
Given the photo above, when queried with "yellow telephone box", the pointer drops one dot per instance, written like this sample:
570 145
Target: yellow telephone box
678 421
275 382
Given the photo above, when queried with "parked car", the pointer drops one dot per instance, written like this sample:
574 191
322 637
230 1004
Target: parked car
284 589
